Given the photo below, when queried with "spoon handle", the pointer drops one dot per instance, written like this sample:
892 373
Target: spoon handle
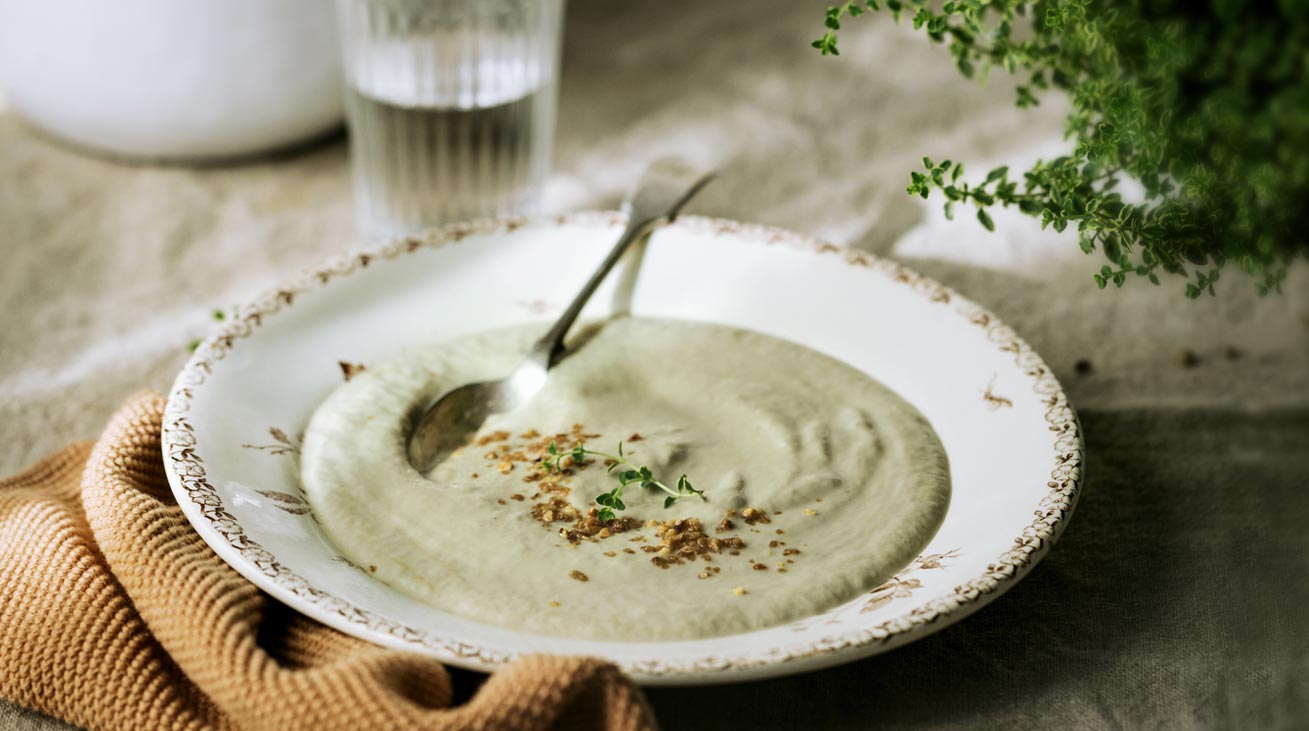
665 187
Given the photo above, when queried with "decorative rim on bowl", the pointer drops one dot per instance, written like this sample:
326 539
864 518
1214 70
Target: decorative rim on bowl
1051 513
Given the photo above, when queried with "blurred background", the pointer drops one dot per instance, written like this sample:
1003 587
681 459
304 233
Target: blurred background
1176 599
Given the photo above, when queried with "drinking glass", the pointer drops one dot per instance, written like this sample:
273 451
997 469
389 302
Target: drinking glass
451 106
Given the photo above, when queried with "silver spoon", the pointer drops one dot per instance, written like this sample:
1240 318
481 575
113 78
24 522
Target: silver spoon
457 414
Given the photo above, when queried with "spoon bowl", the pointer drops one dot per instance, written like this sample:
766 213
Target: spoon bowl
456 415
463 410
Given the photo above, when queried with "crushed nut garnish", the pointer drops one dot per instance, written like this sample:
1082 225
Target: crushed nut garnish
684 540
791 552
810 511
496 436
575 574
678 541
589 527
554 604
350 370
372 569
738 590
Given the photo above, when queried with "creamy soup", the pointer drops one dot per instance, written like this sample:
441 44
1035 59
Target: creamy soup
818 483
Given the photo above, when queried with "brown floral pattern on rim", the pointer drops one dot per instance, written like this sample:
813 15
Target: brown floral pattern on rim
1033 541
285 501
282 444
993 401
903 584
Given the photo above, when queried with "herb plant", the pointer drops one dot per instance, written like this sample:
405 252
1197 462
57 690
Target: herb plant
1205 103
627 474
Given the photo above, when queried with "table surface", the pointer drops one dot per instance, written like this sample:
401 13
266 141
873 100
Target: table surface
1176 599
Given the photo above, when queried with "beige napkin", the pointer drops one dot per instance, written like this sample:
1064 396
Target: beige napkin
115 615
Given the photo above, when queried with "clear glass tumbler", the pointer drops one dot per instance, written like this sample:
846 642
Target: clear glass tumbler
451 107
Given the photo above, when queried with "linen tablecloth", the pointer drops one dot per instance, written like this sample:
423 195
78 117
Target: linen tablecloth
1178 598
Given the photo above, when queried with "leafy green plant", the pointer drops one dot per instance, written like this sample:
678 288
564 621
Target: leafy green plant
1204 103
627 473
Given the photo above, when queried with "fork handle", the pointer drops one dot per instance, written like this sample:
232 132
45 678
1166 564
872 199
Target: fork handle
546 350
640 224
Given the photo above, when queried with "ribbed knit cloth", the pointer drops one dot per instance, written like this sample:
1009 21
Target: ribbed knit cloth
114 614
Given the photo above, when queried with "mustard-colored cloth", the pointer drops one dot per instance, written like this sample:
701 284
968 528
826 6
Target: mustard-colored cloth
114 614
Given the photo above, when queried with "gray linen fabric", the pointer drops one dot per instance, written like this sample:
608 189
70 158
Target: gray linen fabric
1177 598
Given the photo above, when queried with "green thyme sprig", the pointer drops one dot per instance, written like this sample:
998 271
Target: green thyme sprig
1201 105
627 473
